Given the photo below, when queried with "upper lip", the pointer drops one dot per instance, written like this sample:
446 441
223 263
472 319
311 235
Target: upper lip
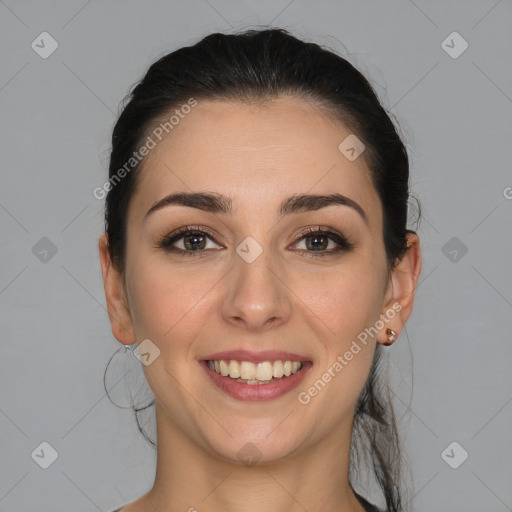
256 357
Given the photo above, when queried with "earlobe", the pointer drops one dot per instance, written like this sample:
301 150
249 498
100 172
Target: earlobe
117 304
403 282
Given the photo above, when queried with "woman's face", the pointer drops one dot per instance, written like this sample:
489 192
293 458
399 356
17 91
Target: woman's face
261 282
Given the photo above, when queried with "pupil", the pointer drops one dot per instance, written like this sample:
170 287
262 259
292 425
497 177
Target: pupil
195 238
316 244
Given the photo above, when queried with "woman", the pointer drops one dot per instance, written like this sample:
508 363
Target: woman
256 253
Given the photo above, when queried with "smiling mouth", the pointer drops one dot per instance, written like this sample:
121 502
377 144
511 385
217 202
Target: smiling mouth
247 372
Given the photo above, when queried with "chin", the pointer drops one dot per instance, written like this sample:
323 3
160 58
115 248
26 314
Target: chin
251 447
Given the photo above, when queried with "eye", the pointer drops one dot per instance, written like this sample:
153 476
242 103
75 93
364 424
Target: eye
188 241
323 242
193 241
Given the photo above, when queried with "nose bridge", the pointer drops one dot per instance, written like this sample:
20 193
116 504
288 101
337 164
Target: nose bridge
256 295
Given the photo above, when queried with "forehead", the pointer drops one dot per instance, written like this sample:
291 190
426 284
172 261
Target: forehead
256 153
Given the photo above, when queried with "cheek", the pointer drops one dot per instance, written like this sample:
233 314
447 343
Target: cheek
346 299
166 300
344 304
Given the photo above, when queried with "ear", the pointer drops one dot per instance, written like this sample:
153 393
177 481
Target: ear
117 304
401 290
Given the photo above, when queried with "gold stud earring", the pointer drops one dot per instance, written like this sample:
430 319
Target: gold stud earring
391 337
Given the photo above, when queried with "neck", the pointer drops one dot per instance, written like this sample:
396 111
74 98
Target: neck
191 478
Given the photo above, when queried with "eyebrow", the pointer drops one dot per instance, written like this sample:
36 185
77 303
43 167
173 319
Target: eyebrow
217 203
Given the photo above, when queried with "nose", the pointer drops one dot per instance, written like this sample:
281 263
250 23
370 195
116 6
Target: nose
257 297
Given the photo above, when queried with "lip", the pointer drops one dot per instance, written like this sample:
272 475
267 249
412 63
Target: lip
256 392
256 357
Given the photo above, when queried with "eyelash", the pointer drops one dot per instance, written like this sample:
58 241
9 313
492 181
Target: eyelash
166 242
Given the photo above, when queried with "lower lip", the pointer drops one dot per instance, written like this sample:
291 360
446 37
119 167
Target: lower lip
257 392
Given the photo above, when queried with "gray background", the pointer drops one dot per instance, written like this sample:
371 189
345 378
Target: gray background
451 367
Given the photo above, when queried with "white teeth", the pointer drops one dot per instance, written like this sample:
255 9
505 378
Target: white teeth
247 370
264 371
224 370
277 370
234 369
251 373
